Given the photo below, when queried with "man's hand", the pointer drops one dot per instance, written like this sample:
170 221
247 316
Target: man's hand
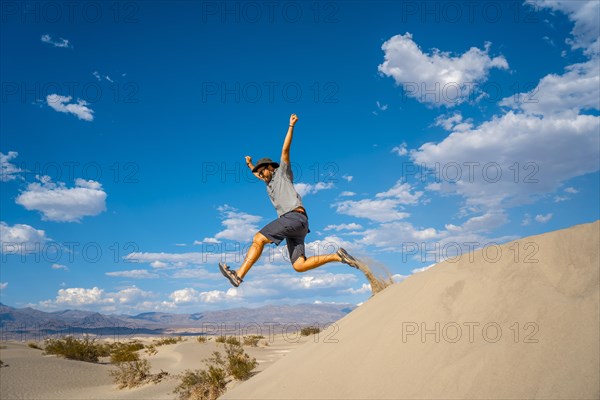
293 119
248 160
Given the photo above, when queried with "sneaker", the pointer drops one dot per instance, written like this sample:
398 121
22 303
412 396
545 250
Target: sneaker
347 258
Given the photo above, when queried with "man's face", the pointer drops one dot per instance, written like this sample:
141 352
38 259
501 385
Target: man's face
266 173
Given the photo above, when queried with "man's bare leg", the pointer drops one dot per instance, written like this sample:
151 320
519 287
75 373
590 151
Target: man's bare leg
305 264
258 243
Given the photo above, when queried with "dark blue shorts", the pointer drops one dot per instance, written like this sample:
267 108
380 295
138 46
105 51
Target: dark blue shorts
291 226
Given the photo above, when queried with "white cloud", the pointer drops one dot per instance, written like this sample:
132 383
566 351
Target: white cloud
543 218
365 288
513 158
131 295
304 189
560 199
321 281
394 234
20 238
134 274
526 220
189 295
417 270
430 244
347 194
95 297
400 150
158 264
342 227
214 296
79 109
56 43
401 192
567 94
3 285
56 202
571 190
79 296
585 15
454 122
348 178
207 240
384 208
377 210
9 171
382 107
239 226
453 78
59 266
399 277
164 260
97 75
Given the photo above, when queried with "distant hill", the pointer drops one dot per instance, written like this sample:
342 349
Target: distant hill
25 323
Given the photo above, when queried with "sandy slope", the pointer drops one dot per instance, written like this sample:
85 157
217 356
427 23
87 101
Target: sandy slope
524 326
31 375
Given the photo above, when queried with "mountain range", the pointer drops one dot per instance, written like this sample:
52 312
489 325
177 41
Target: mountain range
24 323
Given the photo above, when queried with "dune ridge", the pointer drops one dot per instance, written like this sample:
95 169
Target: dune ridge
524 324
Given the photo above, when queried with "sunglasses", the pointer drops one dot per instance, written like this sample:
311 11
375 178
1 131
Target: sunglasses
260 173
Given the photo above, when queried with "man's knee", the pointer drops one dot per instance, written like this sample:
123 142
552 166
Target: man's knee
261 239
299 264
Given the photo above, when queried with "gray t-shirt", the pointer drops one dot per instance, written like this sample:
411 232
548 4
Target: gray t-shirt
281 190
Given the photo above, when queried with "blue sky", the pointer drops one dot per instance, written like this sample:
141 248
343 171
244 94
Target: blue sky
424 128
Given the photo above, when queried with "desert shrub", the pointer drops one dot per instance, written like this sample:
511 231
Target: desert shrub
167 340
84 349
201 339
131 373
151 350
1 363
252 340
34 346
310 330
238 363
220 339
124 352
202 384
233 340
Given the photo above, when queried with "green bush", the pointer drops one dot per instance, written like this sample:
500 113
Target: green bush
252 340
201 339
239 364
151 350
310 330
233 340
221 339
131 374
84 349
202 384
209 384
167 340
34 346
124 352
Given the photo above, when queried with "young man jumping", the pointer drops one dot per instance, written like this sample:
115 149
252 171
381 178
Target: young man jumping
292 221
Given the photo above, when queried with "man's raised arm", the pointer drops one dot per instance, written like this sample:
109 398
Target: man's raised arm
251 166
287 143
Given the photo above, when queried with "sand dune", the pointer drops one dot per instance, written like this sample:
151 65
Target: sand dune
32 375
524 325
